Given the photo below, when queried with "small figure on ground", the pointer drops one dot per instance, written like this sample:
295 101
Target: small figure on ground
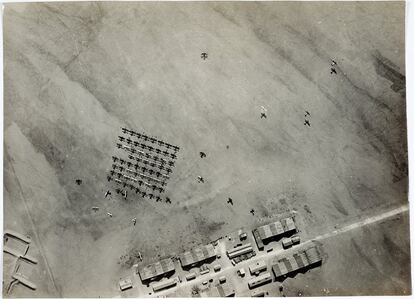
95 209
168 200
78 181
200 179
109 214
107 193
263 112
307 123
134 220
202 155
307 113
333 62
230 201
333 71
252 212
204 56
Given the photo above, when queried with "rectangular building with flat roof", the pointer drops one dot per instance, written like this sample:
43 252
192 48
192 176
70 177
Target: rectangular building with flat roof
161 285
234 252
257 267
260 280
197 255
157 270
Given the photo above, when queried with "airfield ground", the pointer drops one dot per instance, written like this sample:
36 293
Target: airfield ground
76 73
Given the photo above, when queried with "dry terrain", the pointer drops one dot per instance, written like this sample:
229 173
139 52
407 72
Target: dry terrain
75 73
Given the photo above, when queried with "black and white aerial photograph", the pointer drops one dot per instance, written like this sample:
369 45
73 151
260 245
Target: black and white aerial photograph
205 149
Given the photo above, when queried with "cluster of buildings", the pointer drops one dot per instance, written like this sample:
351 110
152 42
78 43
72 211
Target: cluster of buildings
144 164
161 274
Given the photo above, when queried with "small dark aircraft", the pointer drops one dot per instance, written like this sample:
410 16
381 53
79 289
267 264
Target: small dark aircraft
307 113
200 179
333 71
107 193
263 115
202 155
78 181
168 200
252 212
230 201
307 123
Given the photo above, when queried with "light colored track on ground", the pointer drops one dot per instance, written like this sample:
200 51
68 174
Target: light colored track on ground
36 235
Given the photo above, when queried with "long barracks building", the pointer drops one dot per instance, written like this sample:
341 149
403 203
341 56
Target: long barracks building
197 255
266 233
157 270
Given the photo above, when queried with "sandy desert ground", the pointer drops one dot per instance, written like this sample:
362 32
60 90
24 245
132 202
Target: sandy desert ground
76 73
